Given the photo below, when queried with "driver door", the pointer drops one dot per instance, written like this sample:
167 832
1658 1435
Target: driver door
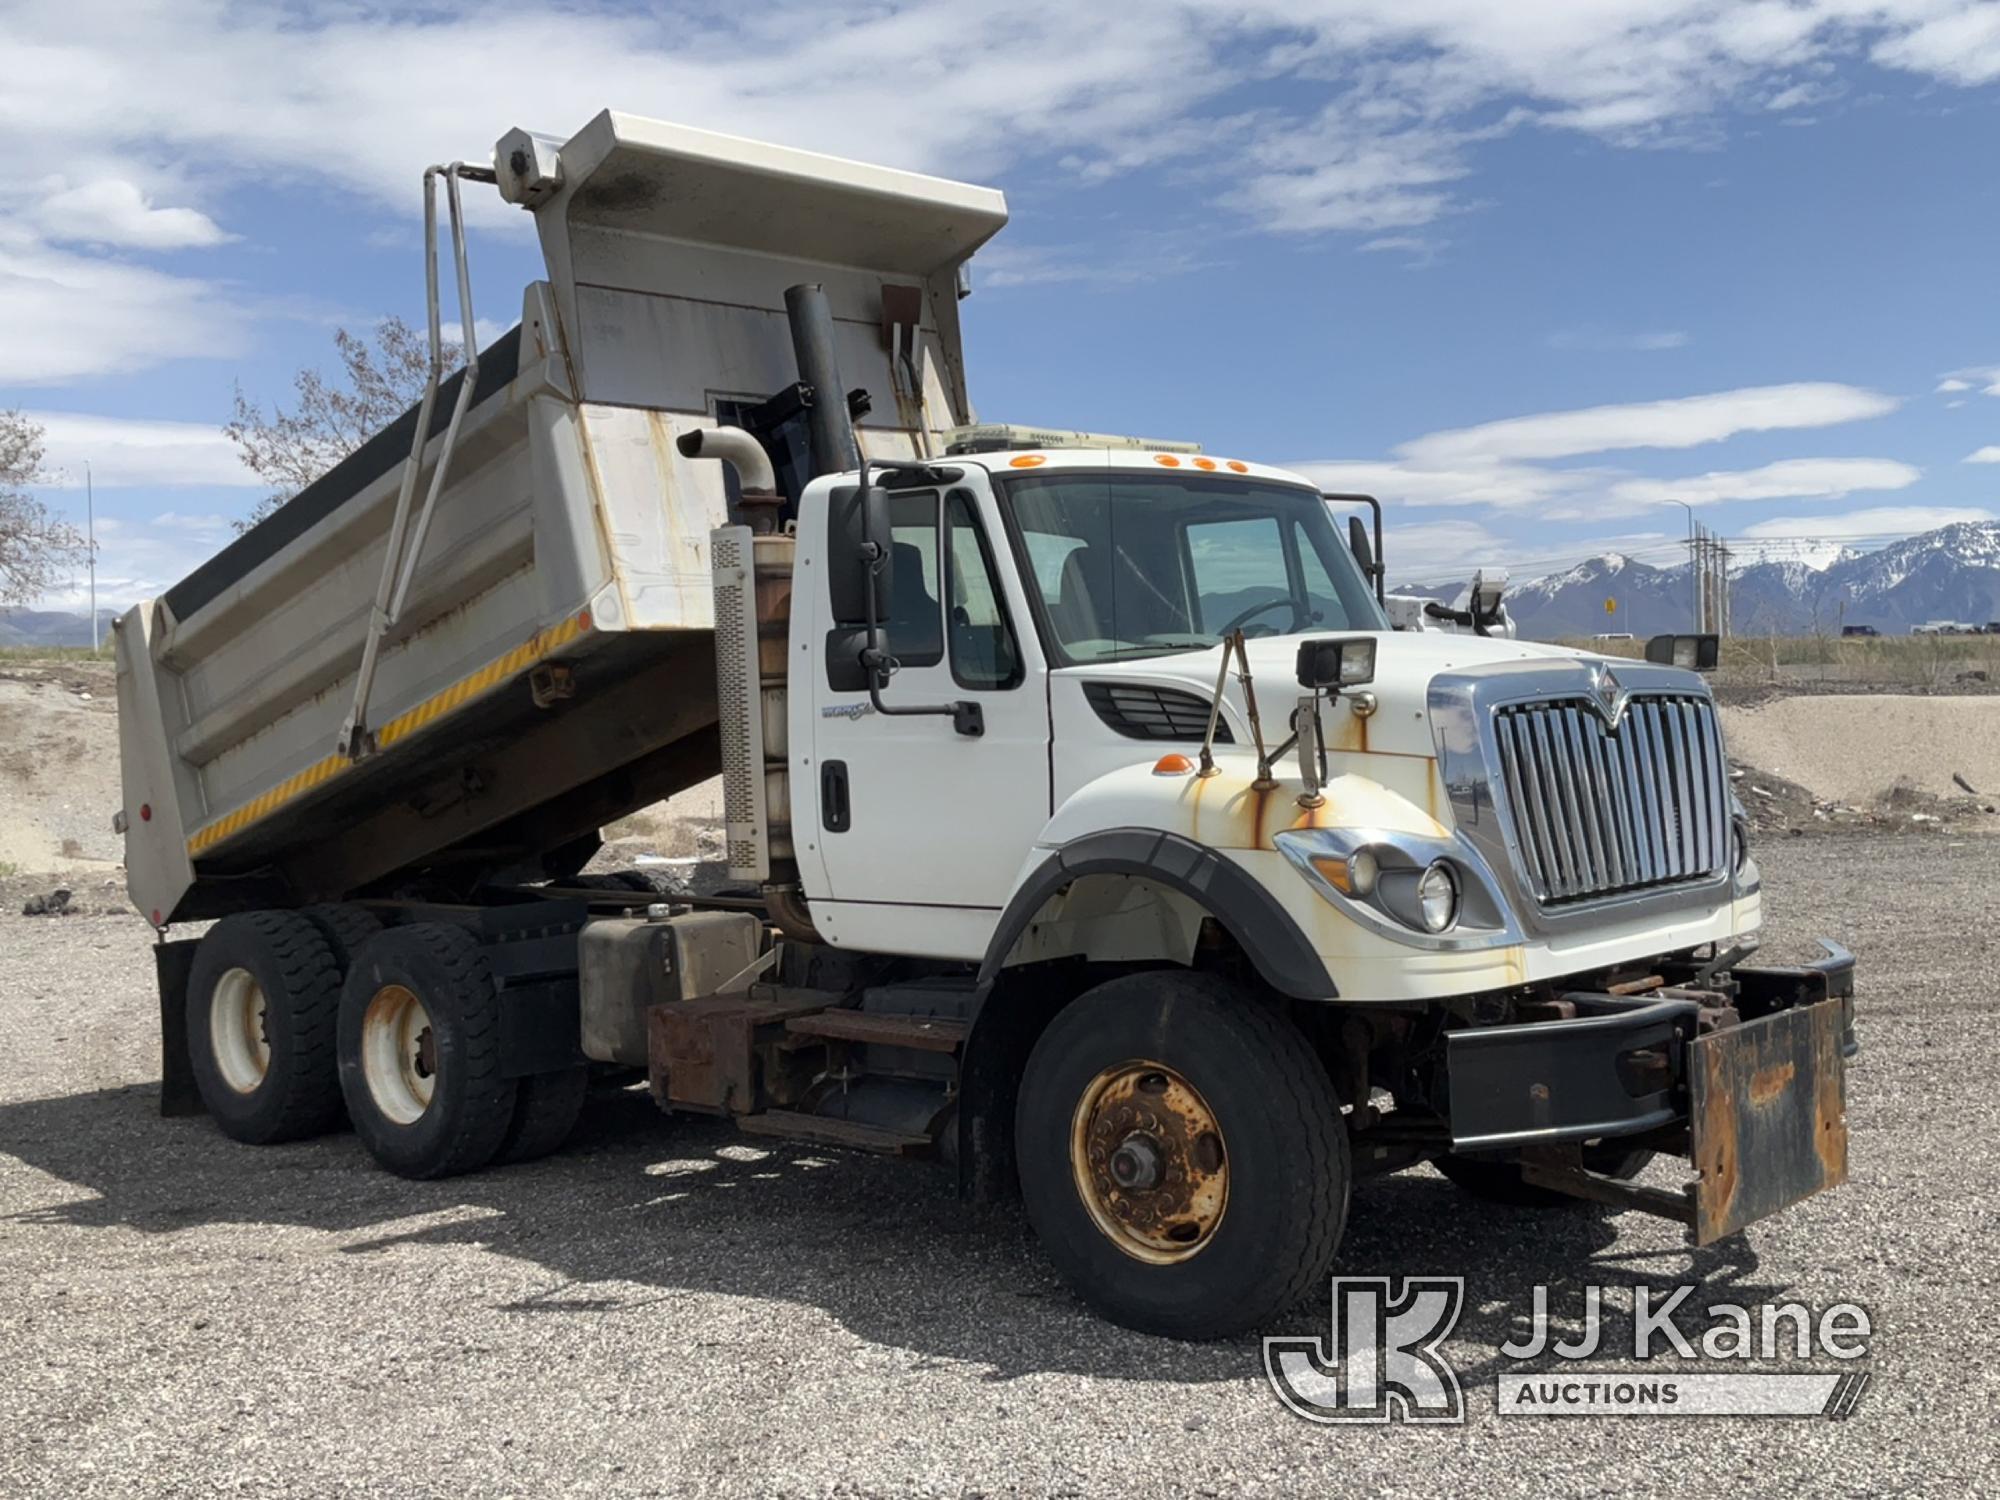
911 818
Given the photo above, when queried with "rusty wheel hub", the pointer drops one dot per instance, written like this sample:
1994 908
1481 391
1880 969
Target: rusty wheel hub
1147 1155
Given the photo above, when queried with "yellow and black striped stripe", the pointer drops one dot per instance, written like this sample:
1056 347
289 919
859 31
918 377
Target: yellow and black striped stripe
405 724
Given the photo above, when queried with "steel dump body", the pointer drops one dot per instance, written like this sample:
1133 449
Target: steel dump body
552 667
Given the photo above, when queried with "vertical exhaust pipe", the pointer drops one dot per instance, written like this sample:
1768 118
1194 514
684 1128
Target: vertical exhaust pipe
833 446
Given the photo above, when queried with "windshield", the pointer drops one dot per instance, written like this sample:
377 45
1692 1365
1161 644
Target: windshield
1136 564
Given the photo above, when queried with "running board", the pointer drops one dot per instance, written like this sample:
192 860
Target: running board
819 1130
923 1033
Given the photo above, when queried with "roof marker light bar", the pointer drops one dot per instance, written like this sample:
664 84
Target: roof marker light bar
1002 437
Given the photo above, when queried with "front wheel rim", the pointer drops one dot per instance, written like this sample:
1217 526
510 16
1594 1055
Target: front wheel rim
238 1031
1148 1160
398 1054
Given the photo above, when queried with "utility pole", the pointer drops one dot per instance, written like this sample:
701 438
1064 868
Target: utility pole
1701 566
1694 572
1722 588
90 532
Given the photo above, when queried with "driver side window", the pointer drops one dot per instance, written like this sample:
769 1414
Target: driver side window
1237 566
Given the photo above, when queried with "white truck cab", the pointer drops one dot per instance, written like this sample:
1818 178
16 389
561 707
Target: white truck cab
1082 600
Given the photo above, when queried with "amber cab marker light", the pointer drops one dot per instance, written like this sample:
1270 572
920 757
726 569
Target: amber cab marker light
1026 461
1239 466
1166 460
1204 463
1174 764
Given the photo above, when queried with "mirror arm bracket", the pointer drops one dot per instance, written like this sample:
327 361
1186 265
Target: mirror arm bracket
967 717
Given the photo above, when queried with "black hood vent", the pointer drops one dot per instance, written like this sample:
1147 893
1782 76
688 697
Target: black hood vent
1144 711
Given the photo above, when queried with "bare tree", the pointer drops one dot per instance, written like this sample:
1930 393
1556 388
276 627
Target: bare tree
37 550
380 380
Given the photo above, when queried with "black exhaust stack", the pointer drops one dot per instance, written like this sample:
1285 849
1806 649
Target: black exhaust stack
832 429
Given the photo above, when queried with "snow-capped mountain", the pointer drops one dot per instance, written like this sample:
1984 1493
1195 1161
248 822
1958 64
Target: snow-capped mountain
1781 588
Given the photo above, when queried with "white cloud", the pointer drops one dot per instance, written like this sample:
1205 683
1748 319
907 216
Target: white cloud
123 452
1389 96
111 211
1960 44
1885 521
1791 478
68 316
1488 465
140 559
1685 422
1441 549
1990 454
1368 115
1500 486
1982 378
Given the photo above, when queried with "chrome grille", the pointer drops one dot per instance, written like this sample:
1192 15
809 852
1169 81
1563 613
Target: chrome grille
1597 811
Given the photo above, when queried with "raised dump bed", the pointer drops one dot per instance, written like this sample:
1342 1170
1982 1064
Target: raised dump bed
552 666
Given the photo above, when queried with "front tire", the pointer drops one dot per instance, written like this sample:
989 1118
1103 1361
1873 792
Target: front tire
1182 1155
263 997
420 1052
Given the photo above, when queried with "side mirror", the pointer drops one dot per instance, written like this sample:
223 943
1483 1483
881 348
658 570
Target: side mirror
1693 653
1357 543
878 558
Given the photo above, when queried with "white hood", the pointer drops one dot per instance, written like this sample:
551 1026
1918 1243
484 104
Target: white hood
1405 663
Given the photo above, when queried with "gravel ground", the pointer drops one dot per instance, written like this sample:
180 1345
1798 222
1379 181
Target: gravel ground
664 1309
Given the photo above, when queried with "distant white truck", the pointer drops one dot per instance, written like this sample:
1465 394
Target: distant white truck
1088 827
1479 609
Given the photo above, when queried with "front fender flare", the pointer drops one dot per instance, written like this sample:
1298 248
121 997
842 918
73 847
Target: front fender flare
1264 929
1003 1035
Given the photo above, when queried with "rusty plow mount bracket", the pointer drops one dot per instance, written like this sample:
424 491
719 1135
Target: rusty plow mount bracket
1766 1102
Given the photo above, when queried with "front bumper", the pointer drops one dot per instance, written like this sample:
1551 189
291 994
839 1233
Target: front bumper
1754 1096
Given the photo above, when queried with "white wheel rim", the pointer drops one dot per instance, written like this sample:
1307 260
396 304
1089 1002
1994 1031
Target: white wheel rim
398 1054
236 1032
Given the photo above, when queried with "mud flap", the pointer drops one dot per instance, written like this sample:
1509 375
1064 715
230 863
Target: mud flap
173 962
1767 1116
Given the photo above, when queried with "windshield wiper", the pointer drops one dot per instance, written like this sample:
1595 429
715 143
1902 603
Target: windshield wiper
1160 648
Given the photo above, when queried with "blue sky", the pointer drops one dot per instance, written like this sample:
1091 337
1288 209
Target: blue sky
1530 273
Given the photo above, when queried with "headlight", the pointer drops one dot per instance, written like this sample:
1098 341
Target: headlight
1424 890
1437 897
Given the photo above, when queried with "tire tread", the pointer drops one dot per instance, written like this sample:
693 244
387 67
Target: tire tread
308 1076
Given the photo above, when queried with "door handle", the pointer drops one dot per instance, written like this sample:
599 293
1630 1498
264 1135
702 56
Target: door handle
834 810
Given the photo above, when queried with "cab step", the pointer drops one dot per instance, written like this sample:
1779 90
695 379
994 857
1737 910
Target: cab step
820 1130
920 1033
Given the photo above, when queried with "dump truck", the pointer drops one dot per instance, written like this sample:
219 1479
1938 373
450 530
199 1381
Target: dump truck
1089 831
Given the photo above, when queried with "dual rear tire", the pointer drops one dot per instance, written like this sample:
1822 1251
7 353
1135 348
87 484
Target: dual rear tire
263 1007
296 1019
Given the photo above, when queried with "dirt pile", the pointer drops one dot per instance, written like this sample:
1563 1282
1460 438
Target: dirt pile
1852 750
58 766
